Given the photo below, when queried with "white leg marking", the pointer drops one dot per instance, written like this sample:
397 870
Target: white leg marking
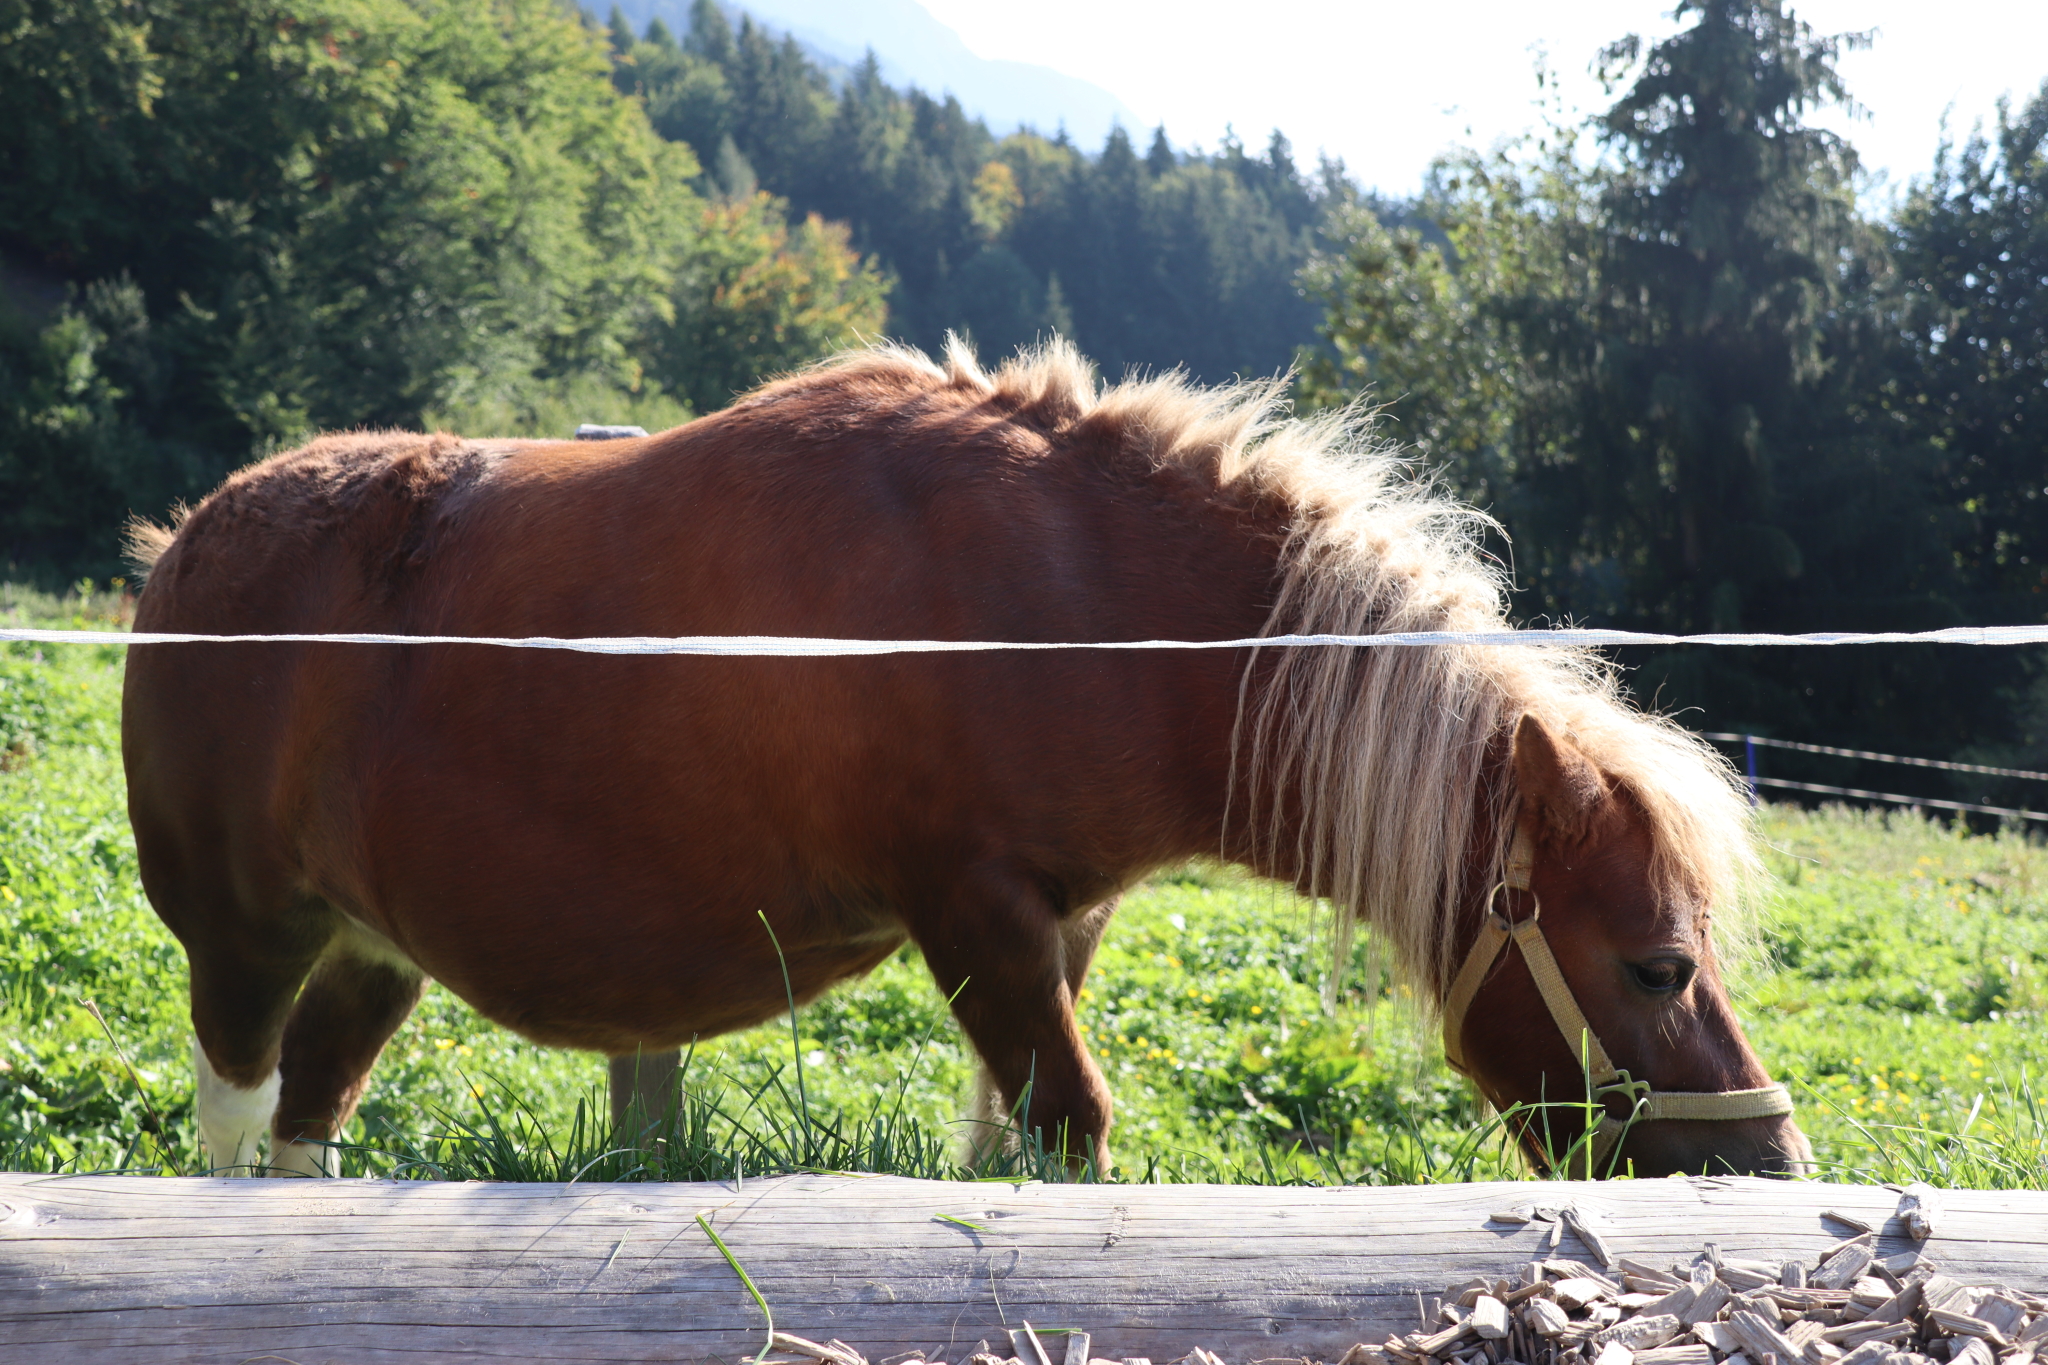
232 1121
306 1158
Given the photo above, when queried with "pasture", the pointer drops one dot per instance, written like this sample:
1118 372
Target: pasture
1899 989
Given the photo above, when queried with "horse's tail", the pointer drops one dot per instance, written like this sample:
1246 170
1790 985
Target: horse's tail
143 541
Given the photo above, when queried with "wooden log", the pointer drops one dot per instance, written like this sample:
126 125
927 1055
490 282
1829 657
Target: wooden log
129 1269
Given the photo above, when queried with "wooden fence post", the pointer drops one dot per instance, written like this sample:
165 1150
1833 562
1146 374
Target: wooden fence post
644 1084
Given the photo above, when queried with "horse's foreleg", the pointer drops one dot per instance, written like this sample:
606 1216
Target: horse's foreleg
1021 964
348 1011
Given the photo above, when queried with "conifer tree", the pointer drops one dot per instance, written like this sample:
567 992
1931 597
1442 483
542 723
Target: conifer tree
1724 231
710 36
1715 460
1972 248
1669 373
1159 156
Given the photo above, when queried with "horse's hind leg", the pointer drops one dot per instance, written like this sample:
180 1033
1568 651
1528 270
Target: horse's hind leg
242 991
357 997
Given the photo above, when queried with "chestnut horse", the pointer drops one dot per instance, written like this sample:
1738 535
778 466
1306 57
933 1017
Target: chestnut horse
582 846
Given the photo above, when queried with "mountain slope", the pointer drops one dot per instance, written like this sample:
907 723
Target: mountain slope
916 49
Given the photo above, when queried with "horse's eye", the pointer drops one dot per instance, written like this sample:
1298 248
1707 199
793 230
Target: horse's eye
1663 976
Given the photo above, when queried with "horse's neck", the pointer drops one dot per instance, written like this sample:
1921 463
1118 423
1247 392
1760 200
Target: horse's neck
1429 940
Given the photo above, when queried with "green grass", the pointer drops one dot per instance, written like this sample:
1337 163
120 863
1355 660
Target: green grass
1902 994
1900 991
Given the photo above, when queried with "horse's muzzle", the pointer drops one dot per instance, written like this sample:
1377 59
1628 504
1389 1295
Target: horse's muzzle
1768 1146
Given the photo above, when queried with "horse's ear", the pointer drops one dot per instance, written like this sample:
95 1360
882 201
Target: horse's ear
1560 787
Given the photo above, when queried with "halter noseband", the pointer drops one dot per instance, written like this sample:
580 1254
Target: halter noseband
1604 1076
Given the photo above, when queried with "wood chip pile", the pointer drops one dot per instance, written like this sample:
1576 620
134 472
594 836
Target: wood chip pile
1848 1308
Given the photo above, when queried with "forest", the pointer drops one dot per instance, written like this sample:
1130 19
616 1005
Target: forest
1696 381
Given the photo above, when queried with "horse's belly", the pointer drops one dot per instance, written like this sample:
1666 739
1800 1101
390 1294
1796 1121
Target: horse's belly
667 999
592 961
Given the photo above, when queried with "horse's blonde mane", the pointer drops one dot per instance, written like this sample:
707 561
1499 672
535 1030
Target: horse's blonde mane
1382 748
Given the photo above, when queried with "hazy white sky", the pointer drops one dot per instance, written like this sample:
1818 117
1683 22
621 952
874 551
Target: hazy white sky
1387 85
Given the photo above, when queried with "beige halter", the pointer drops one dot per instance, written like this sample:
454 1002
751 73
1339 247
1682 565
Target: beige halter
1604 1076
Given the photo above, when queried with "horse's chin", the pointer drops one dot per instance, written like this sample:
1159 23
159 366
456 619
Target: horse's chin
1767 1147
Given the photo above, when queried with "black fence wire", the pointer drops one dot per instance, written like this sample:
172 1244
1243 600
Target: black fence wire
1751 743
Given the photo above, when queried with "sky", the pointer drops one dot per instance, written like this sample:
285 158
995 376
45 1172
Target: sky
1387 85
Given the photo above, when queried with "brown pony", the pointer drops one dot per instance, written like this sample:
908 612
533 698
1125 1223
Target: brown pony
581 846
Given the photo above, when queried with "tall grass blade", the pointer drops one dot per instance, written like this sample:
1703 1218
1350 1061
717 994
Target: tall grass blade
766 1312
156 1123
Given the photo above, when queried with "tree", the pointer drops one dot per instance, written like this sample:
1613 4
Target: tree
1972 249
274 216
81 84
1971 381
1730 462
710 37
759 297
1720 267
1671 373
1159 157
1424 305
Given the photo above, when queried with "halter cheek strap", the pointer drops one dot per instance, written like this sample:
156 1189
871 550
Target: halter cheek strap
1604 1076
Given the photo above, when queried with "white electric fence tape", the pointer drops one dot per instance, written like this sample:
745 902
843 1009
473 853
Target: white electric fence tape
777 646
